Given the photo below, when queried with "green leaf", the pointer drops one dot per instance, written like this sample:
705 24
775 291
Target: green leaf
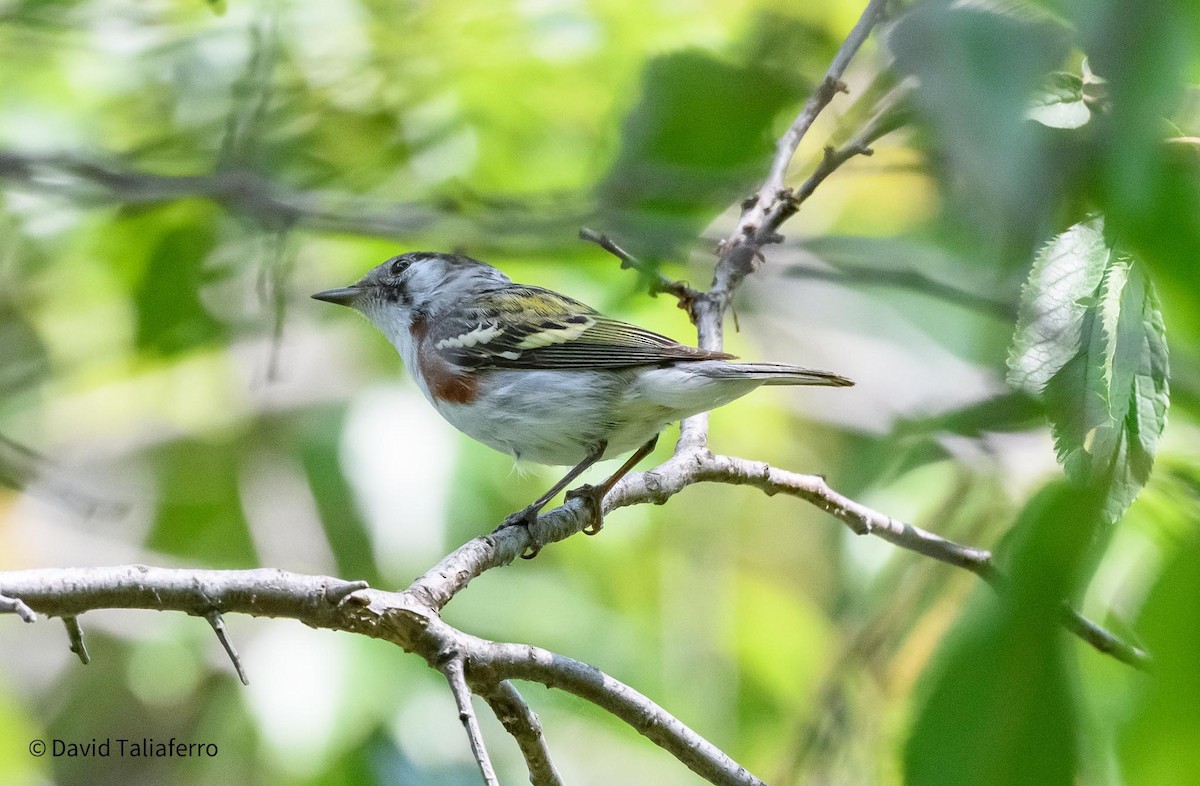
1054 302
348 535
1058 102
160 252
23 361
685 152
1090 339
1002 709
200 515
976 65
171 316
1158 745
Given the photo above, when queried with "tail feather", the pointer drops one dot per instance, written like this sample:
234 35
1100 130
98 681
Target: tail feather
777 374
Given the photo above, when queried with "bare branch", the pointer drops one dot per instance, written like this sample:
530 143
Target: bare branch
739 254
524 662
522 723
453 670
688 467
75 635
218 625
391 616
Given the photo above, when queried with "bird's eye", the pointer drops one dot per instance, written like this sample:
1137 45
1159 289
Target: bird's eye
399 266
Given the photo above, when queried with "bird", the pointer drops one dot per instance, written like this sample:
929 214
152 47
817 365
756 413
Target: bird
542 377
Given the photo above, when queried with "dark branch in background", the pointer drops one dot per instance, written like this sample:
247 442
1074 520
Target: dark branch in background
242 192
915 281
275 206
252 93
22 468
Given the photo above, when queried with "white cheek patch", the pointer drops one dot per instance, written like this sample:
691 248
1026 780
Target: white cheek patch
480 335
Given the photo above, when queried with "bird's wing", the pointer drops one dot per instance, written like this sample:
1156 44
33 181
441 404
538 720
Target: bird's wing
533 328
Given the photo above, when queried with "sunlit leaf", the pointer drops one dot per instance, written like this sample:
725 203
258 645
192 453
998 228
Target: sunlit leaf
1054 303
1059 103
1090 339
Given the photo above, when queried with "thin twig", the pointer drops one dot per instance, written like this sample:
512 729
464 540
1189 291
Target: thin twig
522 723
453 669
524 662
218 625
75 635
1104 640
740 252
658 282
16 606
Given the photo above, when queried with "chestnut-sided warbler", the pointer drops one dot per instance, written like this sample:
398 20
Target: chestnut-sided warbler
540 376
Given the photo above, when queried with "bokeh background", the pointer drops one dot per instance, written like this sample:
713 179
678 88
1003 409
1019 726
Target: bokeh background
178 176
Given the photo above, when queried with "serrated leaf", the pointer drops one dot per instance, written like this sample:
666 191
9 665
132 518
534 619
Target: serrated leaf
1058 102
1054 302
1107 402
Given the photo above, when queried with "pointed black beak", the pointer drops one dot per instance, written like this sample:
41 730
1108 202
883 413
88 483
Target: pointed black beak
343 297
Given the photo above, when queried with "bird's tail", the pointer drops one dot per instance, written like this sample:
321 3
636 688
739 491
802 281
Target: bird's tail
776 374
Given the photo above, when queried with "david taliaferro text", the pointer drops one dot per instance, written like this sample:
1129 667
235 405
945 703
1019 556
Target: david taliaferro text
146 747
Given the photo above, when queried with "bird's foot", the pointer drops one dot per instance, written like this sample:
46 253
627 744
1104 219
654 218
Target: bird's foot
526 517
592 496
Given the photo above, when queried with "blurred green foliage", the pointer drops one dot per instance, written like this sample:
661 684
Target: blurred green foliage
178 176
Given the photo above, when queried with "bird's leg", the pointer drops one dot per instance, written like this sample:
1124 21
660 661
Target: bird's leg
595 494
528 514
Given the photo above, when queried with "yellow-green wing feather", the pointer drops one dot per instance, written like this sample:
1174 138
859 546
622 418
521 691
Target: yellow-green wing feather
534 328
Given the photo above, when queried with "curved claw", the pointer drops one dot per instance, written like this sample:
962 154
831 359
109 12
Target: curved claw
592 495
526 517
